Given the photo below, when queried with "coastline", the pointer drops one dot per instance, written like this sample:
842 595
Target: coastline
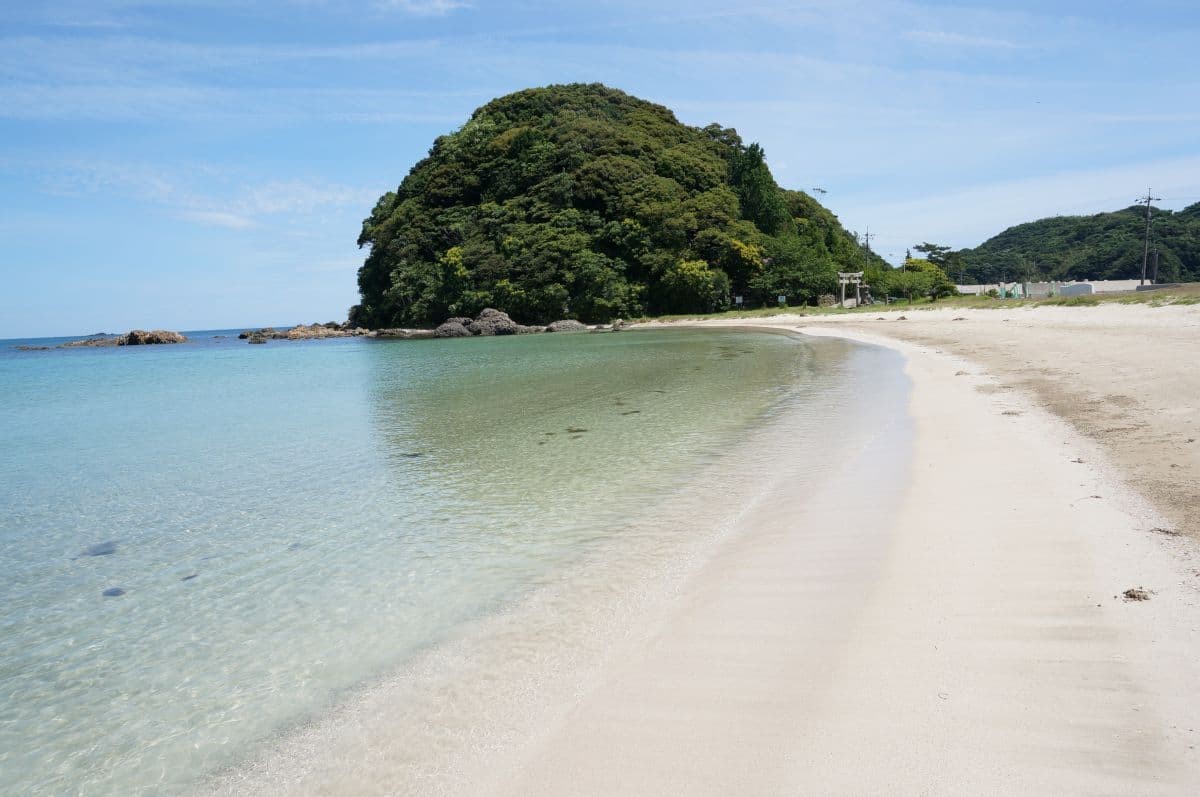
464 714
966 633
994 653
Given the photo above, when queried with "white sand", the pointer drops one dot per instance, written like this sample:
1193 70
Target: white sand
964 637
974 645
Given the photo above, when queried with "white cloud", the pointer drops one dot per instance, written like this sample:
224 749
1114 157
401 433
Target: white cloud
424 8
952 39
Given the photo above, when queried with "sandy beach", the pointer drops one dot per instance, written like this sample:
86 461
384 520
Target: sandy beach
967 634
981 643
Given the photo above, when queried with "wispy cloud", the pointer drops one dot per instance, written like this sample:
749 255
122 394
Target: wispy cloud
424 8
218 218
953 39
202 195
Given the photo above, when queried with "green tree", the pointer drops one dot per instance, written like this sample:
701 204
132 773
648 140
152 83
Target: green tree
692 286
582 201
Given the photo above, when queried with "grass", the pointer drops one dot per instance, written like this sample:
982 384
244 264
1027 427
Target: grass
1186 294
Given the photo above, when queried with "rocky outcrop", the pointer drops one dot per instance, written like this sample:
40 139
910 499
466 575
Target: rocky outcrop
401 334
330 329
137 337
316 332
616 326
567 325
452 329
140 337
492 322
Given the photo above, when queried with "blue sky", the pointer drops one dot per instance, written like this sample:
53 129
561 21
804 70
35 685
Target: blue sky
207 163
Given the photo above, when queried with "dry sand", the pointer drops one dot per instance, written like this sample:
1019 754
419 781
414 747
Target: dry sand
1125 376
976 643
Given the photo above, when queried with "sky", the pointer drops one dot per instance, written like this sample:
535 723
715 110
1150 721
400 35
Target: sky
207 163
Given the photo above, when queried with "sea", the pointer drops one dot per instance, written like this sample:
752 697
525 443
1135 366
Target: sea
219 559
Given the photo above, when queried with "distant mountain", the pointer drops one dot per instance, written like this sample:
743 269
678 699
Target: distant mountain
580 201
1103 246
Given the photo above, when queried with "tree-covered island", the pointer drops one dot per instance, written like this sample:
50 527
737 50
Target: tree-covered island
580 201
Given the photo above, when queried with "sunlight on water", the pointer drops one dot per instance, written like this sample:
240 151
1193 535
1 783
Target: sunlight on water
292 520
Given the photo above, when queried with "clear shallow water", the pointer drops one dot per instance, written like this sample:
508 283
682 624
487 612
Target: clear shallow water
344 506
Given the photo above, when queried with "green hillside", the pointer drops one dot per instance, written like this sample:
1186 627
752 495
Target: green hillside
580 201
1103 246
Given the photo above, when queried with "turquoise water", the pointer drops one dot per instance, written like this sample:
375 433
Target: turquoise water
287 522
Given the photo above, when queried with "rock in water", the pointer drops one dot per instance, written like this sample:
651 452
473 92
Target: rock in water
567 325
100 549
493 322
401 334
113 592
452 329
140 337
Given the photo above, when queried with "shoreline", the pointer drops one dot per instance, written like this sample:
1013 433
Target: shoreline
993 652
996 653
971 638
463 713
1118 374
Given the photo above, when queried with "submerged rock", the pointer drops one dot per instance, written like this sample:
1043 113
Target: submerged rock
113 592
100 549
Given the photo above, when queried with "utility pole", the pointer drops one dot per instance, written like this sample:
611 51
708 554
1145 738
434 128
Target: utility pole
866 247
1148 198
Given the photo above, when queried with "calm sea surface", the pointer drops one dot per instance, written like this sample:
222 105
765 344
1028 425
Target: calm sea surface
206 544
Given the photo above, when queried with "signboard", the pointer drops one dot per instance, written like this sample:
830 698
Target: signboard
737 300
782 299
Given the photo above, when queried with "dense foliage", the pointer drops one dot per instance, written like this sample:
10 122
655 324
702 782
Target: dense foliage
1103 246
917 278
580 201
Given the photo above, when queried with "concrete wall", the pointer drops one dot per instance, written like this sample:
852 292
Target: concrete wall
1040 290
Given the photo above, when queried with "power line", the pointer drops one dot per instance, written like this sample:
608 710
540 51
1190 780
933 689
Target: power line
1148 198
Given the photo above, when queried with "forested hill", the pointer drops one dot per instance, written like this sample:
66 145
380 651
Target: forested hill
1104 246
581 201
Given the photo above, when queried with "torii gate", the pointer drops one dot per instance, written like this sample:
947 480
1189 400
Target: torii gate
851 278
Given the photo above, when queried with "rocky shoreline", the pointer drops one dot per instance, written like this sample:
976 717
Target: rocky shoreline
136 337
488 323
